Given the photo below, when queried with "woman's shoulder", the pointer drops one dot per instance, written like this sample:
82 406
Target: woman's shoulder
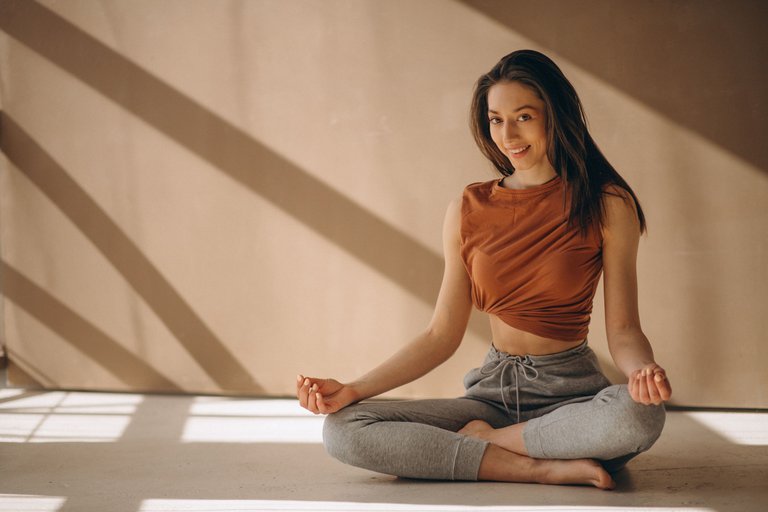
615 189
616 196
477 186
480 189
474 195
620 209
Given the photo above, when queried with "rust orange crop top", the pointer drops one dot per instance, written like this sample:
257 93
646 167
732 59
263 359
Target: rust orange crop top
524 265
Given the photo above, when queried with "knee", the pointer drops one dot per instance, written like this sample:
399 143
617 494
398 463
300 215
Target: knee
339 434
640 425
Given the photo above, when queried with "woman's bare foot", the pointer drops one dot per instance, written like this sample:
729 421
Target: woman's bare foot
577 471
476 428
500 465
510 438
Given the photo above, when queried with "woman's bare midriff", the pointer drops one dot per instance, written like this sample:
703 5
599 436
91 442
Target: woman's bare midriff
516 342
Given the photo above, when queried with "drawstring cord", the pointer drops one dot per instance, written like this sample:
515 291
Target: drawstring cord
517 363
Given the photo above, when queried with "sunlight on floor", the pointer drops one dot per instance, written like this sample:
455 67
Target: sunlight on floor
58 416
256 446
228 420
27 503
738 427
9 393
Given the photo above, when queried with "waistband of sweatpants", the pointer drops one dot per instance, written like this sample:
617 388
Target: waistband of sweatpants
576 352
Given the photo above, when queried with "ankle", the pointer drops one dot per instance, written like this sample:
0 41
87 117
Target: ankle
486 435
538 469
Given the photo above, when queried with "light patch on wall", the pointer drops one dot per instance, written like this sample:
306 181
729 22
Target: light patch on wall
58 417
744 428
224 420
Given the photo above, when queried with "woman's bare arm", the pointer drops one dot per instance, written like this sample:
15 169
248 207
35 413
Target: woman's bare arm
424 352
629 347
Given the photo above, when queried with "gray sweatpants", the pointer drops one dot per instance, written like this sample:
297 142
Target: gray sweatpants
571 409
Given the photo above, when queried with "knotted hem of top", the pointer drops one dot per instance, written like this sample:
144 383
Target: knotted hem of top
558 329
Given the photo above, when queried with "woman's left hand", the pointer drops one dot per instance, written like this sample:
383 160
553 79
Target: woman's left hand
649 385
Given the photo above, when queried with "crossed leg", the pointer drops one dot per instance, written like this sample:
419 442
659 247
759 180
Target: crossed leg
610 426
420 439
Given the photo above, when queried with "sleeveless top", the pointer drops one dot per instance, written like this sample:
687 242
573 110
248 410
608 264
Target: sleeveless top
524 265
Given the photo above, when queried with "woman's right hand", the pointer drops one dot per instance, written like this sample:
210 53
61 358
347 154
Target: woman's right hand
323 396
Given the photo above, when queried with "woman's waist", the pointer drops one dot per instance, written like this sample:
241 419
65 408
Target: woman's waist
513 341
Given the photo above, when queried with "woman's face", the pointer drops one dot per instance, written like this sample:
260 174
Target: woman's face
517 118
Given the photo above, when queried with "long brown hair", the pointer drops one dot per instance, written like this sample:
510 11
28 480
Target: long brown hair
570 148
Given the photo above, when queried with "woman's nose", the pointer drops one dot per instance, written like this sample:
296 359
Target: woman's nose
509 133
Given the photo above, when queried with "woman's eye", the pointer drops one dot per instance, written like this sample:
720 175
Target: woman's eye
494 120
524 115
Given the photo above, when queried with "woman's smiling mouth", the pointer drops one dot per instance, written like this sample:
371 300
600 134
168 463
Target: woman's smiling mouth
518 152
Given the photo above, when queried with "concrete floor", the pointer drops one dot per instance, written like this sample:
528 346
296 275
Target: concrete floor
115 452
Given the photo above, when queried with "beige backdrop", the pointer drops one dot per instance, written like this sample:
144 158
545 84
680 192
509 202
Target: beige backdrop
210 197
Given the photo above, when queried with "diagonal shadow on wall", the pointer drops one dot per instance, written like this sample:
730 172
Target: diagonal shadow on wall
81 334
28 373
230 150
202 344
227 147
700 70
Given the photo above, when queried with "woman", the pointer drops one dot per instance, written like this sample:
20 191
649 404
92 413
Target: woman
527 248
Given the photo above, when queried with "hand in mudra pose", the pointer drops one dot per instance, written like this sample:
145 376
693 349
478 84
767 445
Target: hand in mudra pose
323 396
649 385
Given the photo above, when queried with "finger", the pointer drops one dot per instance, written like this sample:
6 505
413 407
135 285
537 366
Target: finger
324 406
662 383
636 386
642 389
303 393
299 379
632 384
312 399
320 402
664 387
319 384
653 393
